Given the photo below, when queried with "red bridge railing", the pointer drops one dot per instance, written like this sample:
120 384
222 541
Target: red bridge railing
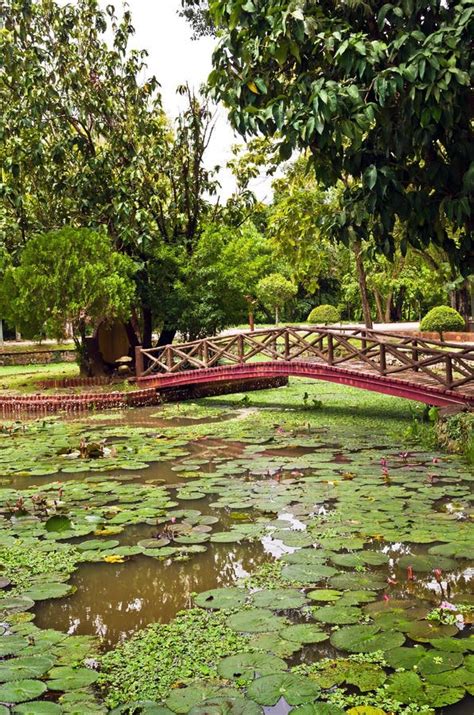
448 365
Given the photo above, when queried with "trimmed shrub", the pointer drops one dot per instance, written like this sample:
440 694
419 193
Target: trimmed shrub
324 314
441 319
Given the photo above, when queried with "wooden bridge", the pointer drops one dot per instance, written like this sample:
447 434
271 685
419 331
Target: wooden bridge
429 371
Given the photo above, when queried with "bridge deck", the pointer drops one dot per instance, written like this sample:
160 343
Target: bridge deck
427 371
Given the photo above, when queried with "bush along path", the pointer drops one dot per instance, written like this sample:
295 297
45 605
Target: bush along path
361 603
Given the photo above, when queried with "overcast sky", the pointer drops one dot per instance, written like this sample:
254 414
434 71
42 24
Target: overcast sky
176 59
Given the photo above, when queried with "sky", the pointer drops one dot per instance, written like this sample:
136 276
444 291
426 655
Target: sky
176 59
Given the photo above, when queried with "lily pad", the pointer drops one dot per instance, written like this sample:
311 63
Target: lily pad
295 689
278 599
339 615
366 639
218 598
247 666
307 573
403 657
38 707
27 667
304 633
44 591
435 662
226 706
65 678
324 594
19 691
318 709
256 620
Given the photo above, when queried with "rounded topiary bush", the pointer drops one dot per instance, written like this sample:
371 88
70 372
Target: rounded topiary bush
324 314
441 319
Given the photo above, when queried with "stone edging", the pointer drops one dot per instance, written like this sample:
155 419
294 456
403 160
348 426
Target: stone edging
13 404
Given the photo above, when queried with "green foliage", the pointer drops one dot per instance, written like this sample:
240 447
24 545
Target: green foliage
68 276
218 283
145 666
274 291
456 434
324 314
442 319
377 94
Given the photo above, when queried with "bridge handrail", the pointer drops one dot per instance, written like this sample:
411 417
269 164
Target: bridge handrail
448 364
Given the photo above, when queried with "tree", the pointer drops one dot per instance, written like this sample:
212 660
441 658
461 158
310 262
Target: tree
380 96
274 291
69 276
219 281
86 143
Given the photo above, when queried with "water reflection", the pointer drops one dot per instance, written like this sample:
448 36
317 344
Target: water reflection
113 601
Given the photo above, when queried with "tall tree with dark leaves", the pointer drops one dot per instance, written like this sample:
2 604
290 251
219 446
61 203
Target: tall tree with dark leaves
86 143
381 96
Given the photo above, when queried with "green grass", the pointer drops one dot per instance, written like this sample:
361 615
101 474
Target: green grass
25 378
14 347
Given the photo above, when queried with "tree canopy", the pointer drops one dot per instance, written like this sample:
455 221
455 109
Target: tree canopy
70 276
378 93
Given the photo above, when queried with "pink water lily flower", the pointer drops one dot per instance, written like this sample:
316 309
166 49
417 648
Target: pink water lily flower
446 606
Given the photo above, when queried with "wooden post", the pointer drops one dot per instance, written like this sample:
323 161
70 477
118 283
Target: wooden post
169 358
383 359
240 346
330 349
139 363
449 371
205 353
287 345
415 354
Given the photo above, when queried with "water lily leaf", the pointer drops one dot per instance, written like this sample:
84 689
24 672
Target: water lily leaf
459 678
426 563
226 706
275 644
12 645
438 661
44 591
247 666
38 707
27 667
295 689
324 594
65 678
424 631
256 620
454 645
404 657
16 604
407 687
153 543
304 633
96 545
182 700
278 599
317 709
58 523
19 691
366 639
339 615
306 573
227 537
192 538
365 581
365 710
221 598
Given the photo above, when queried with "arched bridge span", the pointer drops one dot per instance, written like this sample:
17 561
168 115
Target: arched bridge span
428 371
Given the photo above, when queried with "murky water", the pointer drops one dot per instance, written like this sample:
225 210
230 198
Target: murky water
115 600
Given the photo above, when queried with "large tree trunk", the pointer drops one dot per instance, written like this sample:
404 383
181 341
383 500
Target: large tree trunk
361 275
147 327
461 300
167 336
378 305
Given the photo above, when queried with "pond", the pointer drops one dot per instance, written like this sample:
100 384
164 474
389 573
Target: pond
303 549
